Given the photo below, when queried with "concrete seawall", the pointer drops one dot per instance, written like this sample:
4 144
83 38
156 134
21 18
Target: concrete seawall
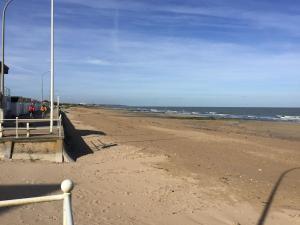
74 145
47 148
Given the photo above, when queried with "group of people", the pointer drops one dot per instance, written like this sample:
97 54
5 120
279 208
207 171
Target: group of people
32 110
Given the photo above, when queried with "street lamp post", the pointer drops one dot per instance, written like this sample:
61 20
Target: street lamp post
7 2
42 86
52 67
42 100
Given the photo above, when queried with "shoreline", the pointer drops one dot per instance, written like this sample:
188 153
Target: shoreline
152 111
281 129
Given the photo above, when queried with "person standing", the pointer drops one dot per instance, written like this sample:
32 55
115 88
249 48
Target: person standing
31 109
43 110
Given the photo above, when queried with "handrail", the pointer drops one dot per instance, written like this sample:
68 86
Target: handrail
28 129
66 187
30 120
24 201
25 128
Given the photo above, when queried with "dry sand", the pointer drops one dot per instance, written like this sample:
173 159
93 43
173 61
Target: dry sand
165 171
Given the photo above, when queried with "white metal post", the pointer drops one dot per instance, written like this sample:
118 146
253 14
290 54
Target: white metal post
52 67
27 130
17 127
57 105
1 130
59 126
67 187
42 89
42 79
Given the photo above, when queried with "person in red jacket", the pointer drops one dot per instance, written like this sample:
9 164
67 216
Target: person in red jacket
31 109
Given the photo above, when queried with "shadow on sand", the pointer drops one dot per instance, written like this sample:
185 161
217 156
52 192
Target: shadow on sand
8 192
270 200
74 143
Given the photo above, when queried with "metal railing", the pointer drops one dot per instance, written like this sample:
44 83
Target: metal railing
17 128
66 187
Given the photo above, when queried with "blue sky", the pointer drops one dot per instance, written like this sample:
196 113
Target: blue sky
158 52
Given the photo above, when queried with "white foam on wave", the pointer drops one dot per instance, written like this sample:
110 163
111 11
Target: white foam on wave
221 115
289 118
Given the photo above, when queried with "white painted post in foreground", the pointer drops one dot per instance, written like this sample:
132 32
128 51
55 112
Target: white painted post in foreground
59 126
66 187
52 67
17 127
57 106
27 130
1 130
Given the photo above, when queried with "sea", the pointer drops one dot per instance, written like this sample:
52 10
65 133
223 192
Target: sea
244 113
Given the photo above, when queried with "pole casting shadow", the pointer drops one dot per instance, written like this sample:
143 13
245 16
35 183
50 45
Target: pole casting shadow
266 210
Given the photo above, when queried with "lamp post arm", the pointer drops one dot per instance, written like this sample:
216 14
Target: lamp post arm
3 42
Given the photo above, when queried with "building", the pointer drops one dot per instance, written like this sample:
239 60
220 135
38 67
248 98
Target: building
6 68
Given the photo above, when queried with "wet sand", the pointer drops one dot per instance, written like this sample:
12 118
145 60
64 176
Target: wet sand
166 171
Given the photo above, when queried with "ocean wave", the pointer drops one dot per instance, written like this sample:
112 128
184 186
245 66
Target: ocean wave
213 114
289 118
171 112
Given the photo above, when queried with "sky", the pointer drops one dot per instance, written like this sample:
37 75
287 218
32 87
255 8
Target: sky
158 52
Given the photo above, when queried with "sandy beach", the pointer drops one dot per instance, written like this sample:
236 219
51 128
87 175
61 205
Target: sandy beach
160 170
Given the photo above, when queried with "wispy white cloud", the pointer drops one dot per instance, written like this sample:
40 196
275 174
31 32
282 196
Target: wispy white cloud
236 16
97 62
